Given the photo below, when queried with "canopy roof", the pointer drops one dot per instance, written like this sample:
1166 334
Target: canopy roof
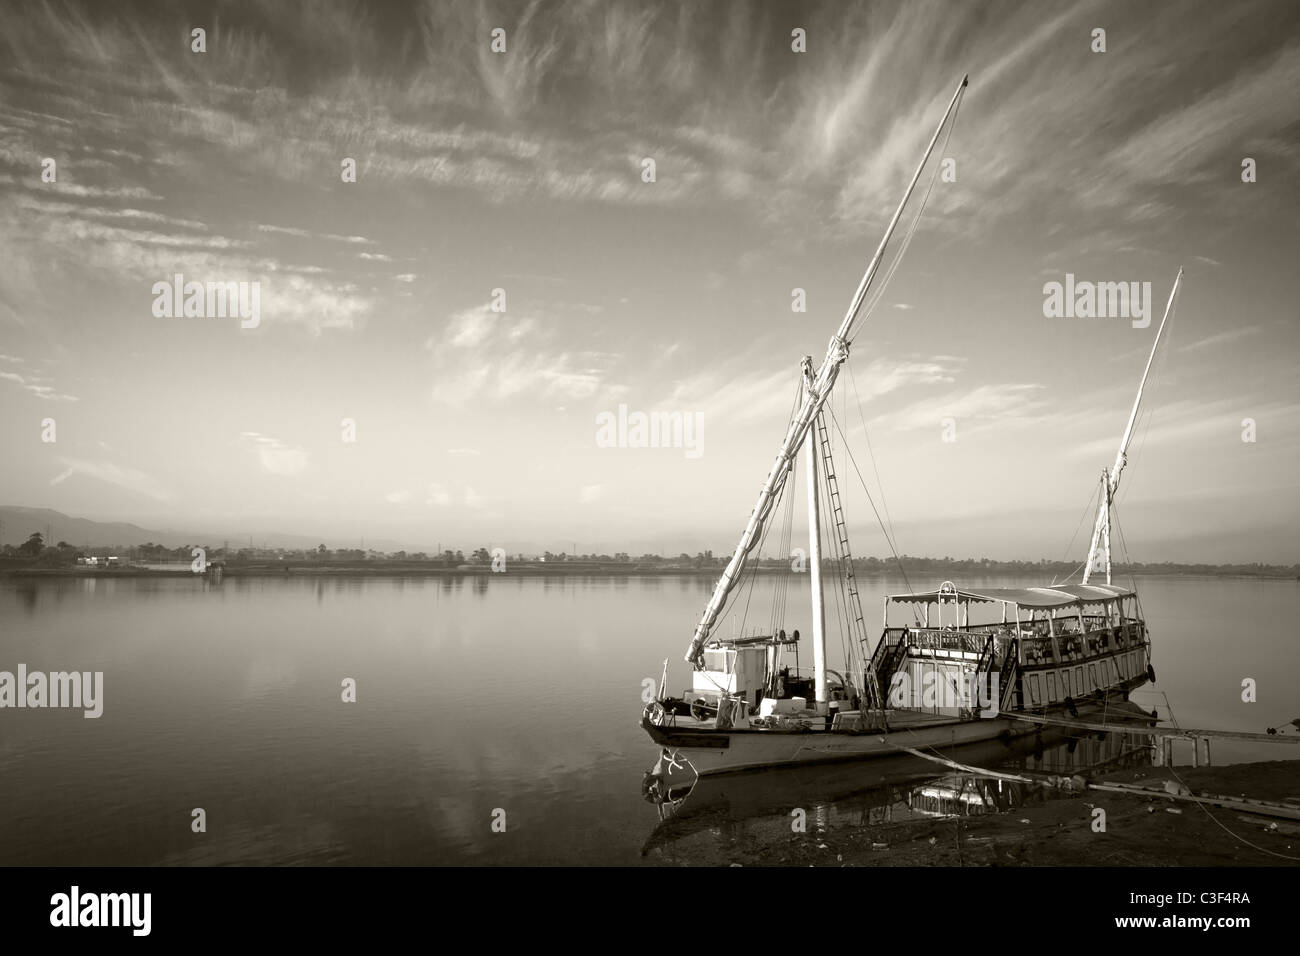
1062 595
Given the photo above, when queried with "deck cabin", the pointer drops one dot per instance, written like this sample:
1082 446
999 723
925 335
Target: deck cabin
1048 646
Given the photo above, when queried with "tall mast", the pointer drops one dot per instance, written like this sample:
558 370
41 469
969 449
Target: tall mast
1110 479
815 397
815 562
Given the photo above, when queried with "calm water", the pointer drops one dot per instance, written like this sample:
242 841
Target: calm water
474 694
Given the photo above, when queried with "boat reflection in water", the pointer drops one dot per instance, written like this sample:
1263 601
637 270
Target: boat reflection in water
879 792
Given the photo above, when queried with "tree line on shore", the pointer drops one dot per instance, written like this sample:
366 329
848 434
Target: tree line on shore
34 552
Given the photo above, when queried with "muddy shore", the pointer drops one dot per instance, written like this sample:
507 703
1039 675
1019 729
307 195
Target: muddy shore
1140 830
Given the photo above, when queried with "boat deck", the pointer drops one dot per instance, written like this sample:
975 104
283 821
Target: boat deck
899 719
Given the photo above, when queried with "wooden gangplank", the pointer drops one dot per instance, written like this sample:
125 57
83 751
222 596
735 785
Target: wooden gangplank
1157 731
1267 808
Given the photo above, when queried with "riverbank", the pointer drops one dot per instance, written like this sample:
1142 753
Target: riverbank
534 569
1140 830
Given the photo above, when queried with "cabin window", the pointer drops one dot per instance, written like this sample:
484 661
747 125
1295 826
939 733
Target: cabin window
717 660
1078 681
1092 675
1051 686
1035 692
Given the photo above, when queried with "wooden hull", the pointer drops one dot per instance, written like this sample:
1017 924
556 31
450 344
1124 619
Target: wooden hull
730 751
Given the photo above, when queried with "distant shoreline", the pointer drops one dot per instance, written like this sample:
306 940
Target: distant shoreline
560 569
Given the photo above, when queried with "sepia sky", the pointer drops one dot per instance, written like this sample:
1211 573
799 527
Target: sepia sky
523 171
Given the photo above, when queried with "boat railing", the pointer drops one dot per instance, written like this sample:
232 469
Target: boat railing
1035 645
940 638
1041 648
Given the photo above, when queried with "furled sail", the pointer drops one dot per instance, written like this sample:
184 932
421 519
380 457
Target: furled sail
816 392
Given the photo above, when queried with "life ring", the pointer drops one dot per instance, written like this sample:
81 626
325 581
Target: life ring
655 713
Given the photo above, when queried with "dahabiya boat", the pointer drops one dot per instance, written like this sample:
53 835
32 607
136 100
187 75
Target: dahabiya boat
967 667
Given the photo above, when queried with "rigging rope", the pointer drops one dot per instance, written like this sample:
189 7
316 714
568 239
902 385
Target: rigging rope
907 239
1128 561
880 485
1096 496
750 567
843 611
888 540
780 594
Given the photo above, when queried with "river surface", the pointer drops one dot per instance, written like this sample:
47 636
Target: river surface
505 699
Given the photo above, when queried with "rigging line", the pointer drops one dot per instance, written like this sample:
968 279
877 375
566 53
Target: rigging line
1128 561
787 531
880 485
824 490
780 593
1235 836
792 481
901 570
862 481
748 567
753 576
844 560
907 239
843 616
851 635
1096 492
1205 809
779 587
847 636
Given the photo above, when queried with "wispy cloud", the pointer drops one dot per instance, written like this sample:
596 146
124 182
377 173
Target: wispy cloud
307 234
523 362
1221 338
38 386
276 457
130 479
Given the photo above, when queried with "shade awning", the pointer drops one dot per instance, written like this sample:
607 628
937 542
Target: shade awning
1062 595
